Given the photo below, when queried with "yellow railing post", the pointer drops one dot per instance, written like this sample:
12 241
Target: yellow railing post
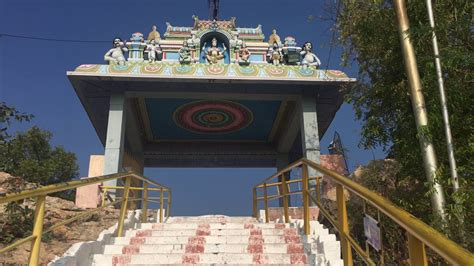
145 203
417 251
161 205
168 210
123 209
344 225
305 175
284 190
255 207
265 202
318 189
104 194
37 230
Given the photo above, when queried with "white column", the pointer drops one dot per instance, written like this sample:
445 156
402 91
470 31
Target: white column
114 145
310 135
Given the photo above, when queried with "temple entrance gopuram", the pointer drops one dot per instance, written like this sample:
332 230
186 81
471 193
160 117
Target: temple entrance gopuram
208 95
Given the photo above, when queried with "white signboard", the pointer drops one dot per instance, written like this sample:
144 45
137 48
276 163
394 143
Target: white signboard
372 232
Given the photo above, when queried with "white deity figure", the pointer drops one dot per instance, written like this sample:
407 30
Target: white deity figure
154 50
193 42
308 57
235 42
116 54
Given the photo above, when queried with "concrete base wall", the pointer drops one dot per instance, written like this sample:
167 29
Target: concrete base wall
89 196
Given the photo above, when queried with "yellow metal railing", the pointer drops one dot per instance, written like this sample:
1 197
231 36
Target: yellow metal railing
41 193
419 233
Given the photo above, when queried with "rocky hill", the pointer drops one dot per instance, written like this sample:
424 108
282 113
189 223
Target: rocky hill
15 223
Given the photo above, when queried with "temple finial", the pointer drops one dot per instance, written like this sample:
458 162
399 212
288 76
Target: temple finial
213 9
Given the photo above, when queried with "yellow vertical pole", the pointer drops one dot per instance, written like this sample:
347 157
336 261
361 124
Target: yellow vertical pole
168 211
318 189
104 193
305 193
344 225
255 202
265 202
284 190
37 230
161 204
145 203
417 251
123 209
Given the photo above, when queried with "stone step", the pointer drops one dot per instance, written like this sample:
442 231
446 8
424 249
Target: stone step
279 248
183 226
212 219
213 232
223 258
224 239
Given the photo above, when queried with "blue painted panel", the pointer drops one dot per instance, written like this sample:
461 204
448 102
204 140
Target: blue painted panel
172 56
160 112
256 58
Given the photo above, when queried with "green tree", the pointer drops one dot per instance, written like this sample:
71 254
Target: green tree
369 34
7 114
30 156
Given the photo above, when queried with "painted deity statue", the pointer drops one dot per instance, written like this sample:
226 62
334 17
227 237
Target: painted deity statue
116 54
275 54
244 55
235 42
185 54
274 38
153 35
308 57
193 42
214 54
154 50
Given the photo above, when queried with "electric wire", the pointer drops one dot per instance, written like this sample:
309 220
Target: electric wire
50 39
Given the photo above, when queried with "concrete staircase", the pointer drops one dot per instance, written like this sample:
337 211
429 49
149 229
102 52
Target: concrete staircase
217 239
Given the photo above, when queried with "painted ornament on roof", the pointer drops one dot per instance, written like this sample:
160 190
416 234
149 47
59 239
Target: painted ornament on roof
213 117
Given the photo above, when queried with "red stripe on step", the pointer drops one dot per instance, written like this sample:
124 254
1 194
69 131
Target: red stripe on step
196 240
290 231
292 239
298 259
132 249
249 226
256 240
256 232
279 226
295 248
259 259
143 233
203 230
137 240
190 259
121 260
255 248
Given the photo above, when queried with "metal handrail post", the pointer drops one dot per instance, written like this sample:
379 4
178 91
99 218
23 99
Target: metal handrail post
161 205
123 209
305 174
417 251
265 202
37 230
343 225
145 203
284 189
104 193
255 207
168 210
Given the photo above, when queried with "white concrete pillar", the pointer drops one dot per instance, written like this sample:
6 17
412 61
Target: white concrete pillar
114 145
310 135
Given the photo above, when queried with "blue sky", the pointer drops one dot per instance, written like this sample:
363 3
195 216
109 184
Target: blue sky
33 78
